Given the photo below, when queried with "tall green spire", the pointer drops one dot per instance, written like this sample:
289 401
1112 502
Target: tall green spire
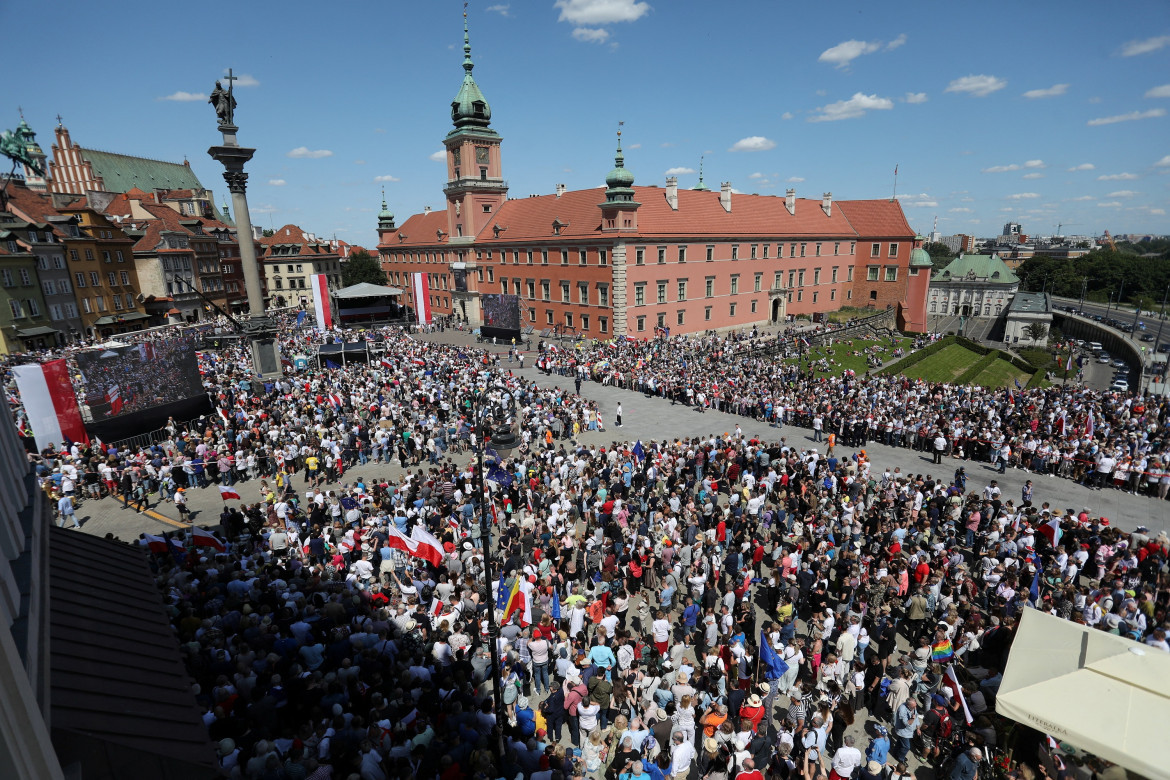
620 182
701 187
469 108
385 218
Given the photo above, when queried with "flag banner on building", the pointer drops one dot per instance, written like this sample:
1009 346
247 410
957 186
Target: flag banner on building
320 286
49 403
420 288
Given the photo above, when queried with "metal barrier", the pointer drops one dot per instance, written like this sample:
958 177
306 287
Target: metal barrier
158 436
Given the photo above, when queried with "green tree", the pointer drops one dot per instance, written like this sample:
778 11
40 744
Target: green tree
940 254
267 233
1036 332
362 267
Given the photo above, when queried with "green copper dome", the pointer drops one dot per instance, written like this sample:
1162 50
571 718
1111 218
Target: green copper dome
469 108
620 181
920 258
385 217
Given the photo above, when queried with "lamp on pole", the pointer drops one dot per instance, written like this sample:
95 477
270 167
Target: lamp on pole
503 441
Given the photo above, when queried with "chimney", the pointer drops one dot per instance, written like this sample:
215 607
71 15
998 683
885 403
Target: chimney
725 196
790 201
560 190
426 209
672 192
827 204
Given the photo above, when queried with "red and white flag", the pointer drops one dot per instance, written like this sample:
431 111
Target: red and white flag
226 492
1051 529
114 399
386 363
951 682
202 538
420 288
319 283
1060 423
156 544
49 403
429 548
400 541
1089 427
223 414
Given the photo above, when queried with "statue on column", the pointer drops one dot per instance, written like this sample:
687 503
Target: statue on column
224 102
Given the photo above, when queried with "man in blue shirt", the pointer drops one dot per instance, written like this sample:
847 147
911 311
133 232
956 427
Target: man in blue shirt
967 765
906 725
690 616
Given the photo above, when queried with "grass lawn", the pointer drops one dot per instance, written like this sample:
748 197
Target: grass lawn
842 357
1001 373
944 365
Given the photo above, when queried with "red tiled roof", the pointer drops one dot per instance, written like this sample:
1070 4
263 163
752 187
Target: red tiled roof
291 234
418 229
876 218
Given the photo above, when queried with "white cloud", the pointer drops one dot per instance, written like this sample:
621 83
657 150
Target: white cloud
305 153
1156 92
1117 177
900 40
1081 198
753 143
680 170
923 204
1035 164
1159 212
582 12
634 146
184 97
979 86
787 115
1132 116
1033 176
246 80
756 175
1113 204
1134 48
1053 91
502 10
852 108
912 196
277 182
844 53
794 179
916 97
1163 163
1123 194
1002 168
960 210
591 34
439 156
387 177
665 145
1083 167
1023 196
359 162
263 208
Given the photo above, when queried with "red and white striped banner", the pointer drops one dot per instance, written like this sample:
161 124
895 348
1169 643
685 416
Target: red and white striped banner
320 285
49 403
420 288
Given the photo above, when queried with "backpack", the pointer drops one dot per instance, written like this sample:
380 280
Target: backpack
945 725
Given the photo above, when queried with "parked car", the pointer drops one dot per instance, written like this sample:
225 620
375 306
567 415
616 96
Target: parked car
1120 385
1147 337
1104 358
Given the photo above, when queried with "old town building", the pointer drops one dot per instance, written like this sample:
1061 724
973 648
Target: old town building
626 259
290 256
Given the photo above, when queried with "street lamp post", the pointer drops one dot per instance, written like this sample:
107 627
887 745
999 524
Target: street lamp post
503 441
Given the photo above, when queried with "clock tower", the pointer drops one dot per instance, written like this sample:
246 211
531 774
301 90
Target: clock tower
475 185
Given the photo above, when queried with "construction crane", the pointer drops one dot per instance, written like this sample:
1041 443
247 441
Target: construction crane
1110 241
1060 225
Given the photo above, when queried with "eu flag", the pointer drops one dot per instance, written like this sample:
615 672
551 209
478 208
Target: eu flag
501 593
500 476
639 451
1034 591
774 666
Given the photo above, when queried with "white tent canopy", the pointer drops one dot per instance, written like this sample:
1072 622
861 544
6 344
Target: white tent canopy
366 290
1101 692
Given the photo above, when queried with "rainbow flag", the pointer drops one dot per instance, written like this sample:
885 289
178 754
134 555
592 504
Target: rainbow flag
942 651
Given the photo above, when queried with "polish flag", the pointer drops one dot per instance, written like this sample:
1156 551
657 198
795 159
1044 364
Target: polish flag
1060 423
400 541
420 288
114 399
202 538
430 549
320 286
156 544
386 363
1051 529
1089 427
226 492
49 403
223 414
951 682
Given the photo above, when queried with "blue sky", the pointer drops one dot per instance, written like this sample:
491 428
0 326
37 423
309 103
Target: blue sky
1043 112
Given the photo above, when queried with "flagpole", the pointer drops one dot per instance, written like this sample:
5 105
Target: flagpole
895 195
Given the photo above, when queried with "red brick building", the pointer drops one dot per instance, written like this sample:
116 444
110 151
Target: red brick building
622 260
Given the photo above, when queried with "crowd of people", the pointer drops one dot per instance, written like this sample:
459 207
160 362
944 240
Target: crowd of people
718 608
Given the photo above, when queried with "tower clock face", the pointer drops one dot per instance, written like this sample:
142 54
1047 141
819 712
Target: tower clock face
481 154
456 154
